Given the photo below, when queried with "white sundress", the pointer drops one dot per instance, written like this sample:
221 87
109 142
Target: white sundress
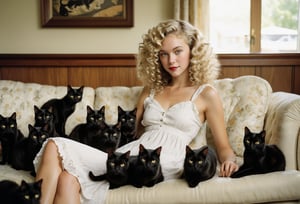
172 129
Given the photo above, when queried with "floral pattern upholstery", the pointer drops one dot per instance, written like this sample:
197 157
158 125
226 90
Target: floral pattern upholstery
21 97
245 101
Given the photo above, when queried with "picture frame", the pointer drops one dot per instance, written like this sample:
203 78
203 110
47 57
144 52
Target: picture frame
87 13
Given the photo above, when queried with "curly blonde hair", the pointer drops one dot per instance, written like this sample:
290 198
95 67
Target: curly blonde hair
204 66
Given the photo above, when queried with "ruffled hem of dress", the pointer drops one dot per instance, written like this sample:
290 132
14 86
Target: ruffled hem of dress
67 164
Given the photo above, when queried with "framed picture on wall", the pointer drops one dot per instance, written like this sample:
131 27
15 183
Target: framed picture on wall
87 13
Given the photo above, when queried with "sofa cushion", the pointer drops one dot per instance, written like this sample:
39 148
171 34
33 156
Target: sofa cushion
21 97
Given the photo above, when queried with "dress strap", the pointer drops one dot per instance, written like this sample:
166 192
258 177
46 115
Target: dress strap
199 91
152 93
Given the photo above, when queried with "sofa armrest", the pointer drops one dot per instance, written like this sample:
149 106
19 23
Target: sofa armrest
282 125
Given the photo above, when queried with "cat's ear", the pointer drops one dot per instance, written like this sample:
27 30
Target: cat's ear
23 185
127 154
30 127
142 148
81 88
134 111
13 116
69 87
205 150
120 110
36 109
89 109
158 150
247 131
102 109
39 183
188 149
50 109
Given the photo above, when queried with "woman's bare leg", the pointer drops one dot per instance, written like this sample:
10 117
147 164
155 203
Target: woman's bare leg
68 189
49 170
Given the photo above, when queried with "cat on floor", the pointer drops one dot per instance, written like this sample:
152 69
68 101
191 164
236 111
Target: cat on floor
24 193
9 136
259 157
199 165
64 107
117 166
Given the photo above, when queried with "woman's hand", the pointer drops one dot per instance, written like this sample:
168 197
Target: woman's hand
227 168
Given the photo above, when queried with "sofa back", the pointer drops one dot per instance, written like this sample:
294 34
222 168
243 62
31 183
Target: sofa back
245 101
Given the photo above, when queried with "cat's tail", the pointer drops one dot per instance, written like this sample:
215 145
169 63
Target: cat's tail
96 178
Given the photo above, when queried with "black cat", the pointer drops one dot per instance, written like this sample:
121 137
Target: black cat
145 168
45 117
117 166
199 165
9 136
109 138
89 132
259 158
63 108
26 149
25 193
127 119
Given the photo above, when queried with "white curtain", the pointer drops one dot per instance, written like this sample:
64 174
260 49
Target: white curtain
194 11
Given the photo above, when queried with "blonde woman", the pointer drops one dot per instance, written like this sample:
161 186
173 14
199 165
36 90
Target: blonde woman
176 66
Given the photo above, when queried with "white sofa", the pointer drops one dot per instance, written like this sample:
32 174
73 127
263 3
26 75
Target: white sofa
248 101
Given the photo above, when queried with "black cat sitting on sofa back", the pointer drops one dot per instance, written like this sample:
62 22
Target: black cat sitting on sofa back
63 108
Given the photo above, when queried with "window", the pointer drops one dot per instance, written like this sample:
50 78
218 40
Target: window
254 25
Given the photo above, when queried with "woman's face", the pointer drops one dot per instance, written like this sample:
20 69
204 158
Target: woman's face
174 55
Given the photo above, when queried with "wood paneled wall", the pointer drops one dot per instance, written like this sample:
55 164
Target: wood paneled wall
94 70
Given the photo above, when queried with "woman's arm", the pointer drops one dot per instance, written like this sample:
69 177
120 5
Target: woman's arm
139 113
214 114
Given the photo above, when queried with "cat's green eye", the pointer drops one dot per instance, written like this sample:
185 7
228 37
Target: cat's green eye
78 97
12 125
34 137
47 116
92 118
200 162
3 126
72 96
247 141
40 117
123 120
106 134
153 161
122 165
257 143
143 160
27 197
115 134
36 196
43 136
191 161
131 120
112 164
